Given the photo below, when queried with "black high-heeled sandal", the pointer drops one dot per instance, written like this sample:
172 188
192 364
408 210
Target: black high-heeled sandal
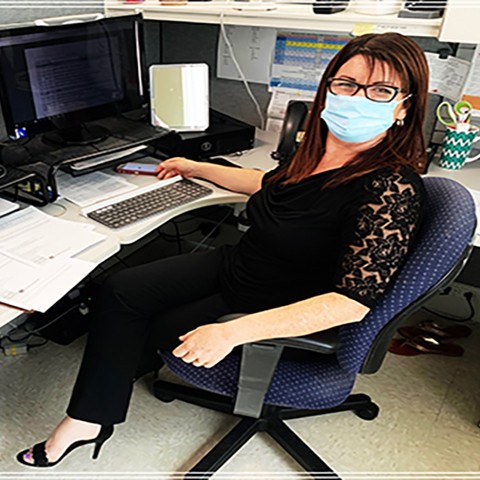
40 457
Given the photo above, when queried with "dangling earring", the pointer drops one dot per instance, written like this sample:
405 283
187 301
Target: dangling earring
399 122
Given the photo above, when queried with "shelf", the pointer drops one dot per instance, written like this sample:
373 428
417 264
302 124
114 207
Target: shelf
287 17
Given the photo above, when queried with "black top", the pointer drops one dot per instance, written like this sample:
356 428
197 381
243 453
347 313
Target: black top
306 240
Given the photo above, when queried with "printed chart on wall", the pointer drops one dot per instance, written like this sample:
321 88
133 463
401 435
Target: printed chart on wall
298 64
300 59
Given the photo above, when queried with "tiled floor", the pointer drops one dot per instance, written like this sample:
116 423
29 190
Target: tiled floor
430 406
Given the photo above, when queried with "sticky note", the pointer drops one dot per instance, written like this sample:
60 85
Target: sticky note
362 29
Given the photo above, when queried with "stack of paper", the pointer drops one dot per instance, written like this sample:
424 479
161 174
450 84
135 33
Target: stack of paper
92 187
36 264
7 207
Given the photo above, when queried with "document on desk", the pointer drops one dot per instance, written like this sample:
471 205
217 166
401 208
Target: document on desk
7 207
31 288
38 239
92 187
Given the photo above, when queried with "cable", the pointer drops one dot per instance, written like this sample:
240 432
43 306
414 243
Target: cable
121 260
212 231
16 347
178 233
32 332
240 72
179 242
35 345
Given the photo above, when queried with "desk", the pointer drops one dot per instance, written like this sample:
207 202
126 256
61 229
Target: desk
259 157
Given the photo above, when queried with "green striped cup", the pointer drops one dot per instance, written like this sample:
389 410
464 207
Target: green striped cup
456 148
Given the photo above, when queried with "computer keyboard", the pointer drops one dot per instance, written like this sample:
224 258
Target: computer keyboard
152 202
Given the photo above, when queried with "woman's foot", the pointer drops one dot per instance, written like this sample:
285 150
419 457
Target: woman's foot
67 432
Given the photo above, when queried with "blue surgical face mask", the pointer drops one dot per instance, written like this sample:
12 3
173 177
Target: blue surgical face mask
357 119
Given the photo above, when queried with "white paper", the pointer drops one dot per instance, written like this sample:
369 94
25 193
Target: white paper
280 99
471 92
278 106
91 187
253 49
7 207
39 239
447 76
32 288
274 125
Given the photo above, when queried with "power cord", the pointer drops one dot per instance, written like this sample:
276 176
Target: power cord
240 72
13 347
212 231
31 333
178 234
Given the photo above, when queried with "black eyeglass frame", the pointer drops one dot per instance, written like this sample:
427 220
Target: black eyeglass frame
363 87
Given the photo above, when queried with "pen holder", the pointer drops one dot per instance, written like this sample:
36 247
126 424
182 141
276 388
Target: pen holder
457 147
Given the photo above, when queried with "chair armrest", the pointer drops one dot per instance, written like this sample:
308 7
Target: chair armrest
260 359
326 342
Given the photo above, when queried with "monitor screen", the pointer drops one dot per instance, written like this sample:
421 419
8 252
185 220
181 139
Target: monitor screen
59 77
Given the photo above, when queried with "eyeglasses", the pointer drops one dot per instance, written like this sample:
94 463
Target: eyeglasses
376 92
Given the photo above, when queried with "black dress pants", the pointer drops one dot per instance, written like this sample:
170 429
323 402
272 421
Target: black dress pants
140 310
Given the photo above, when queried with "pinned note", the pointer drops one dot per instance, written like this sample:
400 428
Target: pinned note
361 28
447 75
253 49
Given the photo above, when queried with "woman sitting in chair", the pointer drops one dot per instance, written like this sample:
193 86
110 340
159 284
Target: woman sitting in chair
328 232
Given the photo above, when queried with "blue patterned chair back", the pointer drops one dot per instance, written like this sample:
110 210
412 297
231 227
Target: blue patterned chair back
445 234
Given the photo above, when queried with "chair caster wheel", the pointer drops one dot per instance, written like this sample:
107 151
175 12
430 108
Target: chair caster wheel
369 412
164 397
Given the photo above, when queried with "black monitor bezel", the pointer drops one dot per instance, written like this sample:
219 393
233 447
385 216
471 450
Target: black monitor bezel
79 117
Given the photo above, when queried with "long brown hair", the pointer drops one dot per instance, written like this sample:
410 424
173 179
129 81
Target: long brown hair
402 145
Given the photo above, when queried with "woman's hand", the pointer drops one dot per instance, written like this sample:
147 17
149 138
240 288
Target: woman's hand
206 345
177 166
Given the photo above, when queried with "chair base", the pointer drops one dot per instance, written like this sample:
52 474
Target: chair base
271 421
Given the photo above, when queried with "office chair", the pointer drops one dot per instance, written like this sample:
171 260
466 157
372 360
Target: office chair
266 384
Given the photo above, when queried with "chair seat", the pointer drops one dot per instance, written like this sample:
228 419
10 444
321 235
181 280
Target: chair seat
297 383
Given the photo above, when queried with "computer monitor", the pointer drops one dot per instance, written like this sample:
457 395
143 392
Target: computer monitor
56 79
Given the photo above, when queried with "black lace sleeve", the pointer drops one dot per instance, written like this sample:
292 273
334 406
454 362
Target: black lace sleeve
379 234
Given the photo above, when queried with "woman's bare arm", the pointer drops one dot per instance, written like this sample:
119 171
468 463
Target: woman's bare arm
242 180
207 345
